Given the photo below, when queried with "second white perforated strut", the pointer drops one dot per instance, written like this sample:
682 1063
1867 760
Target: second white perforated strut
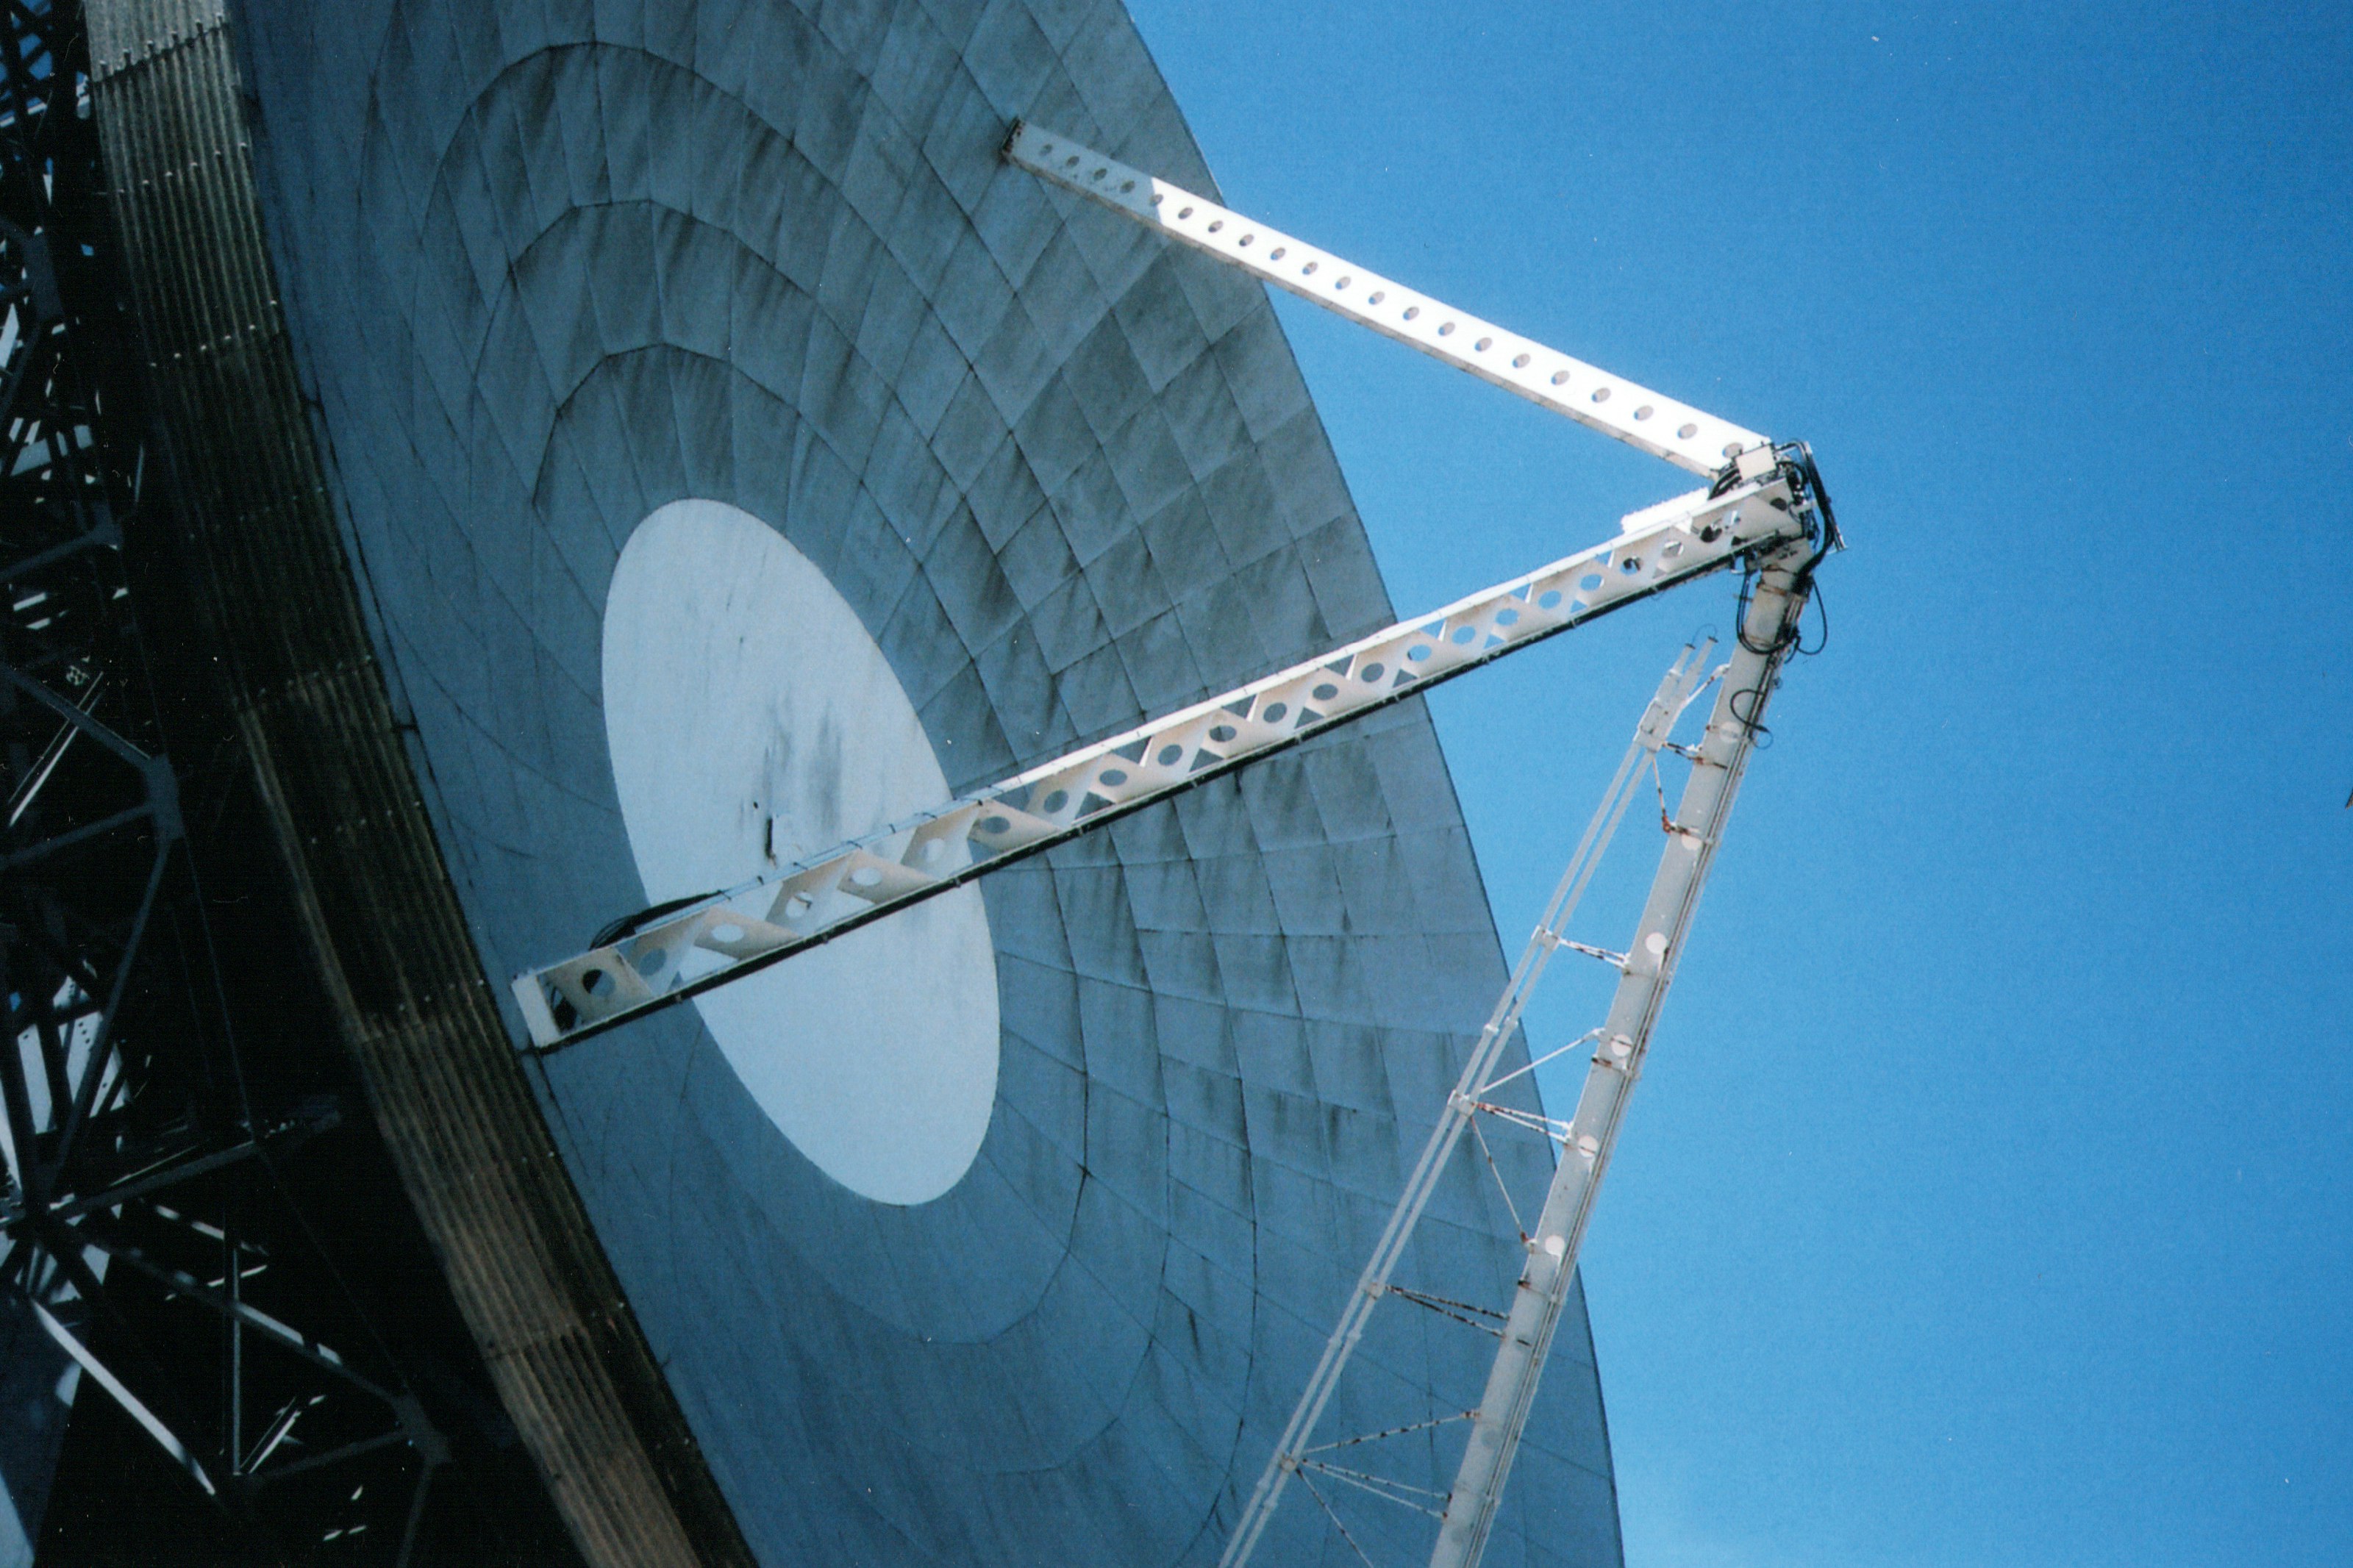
1657 424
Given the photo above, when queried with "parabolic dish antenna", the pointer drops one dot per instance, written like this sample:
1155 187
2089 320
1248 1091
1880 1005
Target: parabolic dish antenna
649 440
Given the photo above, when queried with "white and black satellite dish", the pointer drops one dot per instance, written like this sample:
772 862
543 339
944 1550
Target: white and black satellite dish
651 440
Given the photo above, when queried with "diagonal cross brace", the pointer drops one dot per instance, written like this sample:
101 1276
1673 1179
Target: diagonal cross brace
1659 424
663 957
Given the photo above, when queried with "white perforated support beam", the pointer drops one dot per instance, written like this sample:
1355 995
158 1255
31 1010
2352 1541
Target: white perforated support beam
678 953
1635 415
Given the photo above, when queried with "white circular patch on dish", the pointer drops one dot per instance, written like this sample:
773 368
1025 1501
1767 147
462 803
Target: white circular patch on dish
752 722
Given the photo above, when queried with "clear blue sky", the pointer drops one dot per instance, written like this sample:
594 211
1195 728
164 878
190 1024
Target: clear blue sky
1989 1198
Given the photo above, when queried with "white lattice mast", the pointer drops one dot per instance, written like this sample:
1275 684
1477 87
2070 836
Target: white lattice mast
1692 835
1470 1096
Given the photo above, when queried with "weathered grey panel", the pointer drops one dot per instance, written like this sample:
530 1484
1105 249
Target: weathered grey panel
549 264
539 1294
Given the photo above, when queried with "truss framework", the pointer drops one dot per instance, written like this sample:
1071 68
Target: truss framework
1523 1329
143 1231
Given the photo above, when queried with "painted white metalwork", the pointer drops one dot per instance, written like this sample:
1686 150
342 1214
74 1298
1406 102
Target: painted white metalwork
1585 1141
1767 633
674 953
1683 435
1682 683
1659 424
1766 510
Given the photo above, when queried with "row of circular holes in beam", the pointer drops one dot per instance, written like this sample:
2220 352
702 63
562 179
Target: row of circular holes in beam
646 961
1411 312
1170 755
